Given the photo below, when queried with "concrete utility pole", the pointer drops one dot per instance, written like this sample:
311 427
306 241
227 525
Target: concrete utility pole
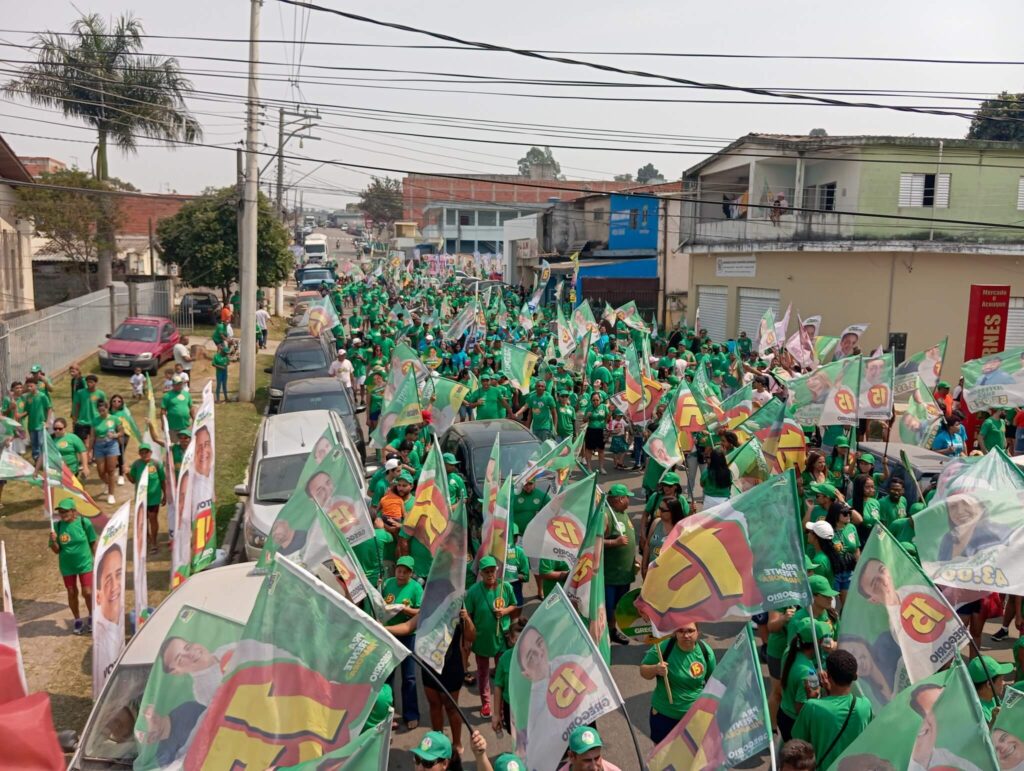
304 118
247 261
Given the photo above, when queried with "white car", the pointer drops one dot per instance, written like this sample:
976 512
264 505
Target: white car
108 739
282 446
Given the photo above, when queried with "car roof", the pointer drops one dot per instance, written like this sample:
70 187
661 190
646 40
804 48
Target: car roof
313 385
483 431
300 341
924 461
229 591
294 432
146 320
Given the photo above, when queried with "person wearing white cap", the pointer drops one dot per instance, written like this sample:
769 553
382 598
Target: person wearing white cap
358 358
819 536
342 369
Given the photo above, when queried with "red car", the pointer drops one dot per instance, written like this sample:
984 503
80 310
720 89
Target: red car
140 341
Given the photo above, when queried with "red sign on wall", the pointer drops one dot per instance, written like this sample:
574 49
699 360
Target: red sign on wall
986 320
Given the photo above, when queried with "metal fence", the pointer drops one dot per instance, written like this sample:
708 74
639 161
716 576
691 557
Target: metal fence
57 336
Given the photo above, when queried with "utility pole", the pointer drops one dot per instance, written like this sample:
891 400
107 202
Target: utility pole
305 119
247 262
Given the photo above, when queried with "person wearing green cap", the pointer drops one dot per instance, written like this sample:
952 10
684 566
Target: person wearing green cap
403 594
154 491
685 662
800 680
620 553
989 678
490 605
456 484
179 447
832 723
526 503
509 762
822 596
435 752
586 752
73 540
596 415
670 486
839 462
716 479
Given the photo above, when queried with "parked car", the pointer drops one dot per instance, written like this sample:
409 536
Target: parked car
139 341
297 357
108 739
325 393
927 465
201 306
471 443
282 446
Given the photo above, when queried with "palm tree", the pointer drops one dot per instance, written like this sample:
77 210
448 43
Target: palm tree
99 75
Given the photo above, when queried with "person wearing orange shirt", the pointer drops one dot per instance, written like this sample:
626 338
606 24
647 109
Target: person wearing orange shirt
944 398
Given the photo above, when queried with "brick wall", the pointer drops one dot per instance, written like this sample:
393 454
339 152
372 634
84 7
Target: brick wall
137 212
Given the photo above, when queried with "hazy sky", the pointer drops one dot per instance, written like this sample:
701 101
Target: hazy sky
911 28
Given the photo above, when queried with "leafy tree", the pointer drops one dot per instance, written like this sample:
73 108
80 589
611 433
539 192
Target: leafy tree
381 201
68 217
1007 106
202 240
646 173
623 177
97 74
537 155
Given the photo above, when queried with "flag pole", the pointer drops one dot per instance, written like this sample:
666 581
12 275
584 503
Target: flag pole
425 667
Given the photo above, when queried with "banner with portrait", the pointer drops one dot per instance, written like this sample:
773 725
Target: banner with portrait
108 597
994 381
876 388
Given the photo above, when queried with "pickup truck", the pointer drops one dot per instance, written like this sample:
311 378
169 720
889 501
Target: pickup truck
310 277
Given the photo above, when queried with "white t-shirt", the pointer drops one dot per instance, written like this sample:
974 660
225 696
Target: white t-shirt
341 369
182 357
262 319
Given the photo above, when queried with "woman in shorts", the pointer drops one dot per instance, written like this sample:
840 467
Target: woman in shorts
73 540
105 447
596 415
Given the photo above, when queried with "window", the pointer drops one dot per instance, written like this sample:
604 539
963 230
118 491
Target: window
599 213
467 247
467 218
827 197
450 246
1020 194
634 218
505 216
643 218
449 216
487 247
487 219
931 190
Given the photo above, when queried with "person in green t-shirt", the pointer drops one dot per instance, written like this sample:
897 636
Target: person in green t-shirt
832 723
154 491
993 431
565 424
894 505
83 406
596 415
220 367
178 449
176 406
800 680
489 400
105 447
402 590
73 540
684 662
988 676
490 605
551 573
456 484
620 553
542 409
39 409
72 449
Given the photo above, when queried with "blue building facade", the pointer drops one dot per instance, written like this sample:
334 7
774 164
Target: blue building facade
633 224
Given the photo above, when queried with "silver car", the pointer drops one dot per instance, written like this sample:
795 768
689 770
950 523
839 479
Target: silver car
282 446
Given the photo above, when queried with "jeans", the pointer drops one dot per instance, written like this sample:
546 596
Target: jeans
543 433
36 435
1018 441
410 704
517 590
261 338
661 725
222 384
483 678
612 594
638 451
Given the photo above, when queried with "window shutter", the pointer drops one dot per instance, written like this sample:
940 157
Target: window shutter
1020 194
906 180
941 191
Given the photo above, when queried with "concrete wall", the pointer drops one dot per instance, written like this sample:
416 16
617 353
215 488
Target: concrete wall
922 293
16 287
514 230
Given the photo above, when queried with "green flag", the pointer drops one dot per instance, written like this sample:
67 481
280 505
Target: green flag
556 532
566 337
196 652
875 398
991 471
585 585
824 346
827 396
995 380
560 458
708 401
403 409
293 693
13 466
921 417
445 401
370 751
664 444
895 621
583 320
517 363
444 592
748 465
738 406
1008 730
728 723
322 317
742 557
557 681
927 364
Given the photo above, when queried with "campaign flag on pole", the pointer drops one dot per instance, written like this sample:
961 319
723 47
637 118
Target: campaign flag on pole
926 364
728 723
13 466
151 406
201 488
556 532
761 419
557 681
431 511
517 363
170 480
824 346
559 458
577 359
566 338
446 400
801 344
190 664
665 444
370 751
827 396
444 591
748 465
293 693
140 539
737 407
405 361
991 471
496 534
462 321
585 585
995 380
974 540
706 398
403 409
5 581
921 417
61 483
849 340
953 735
686 413
876 388
784 444
584 321
525 317
782 327
633 377
766 337
129 425
322 317
108 597
896 620
742 557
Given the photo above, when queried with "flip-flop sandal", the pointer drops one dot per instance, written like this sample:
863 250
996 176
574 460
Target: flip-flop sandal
469 679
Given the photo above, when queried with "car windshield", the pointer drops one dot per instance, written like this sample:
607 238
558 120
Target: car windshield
136 333
513 459
316 249
276 477
321 400
317 275
111 735
305 359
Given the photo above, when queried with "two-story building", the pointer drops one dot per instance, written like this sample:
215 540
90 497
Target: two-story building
889 231
17 293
